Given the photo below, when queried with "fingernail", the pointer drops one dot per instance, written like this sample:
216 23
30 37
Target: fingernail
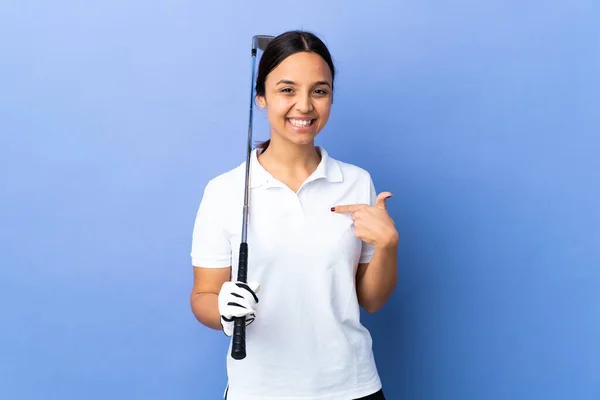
332 208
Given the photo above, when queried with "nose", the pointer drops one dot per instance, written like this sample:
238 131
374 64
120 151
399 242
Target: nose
304 103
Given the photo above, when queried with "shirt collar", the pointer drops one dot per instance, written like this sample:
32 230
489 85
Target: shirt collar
328 169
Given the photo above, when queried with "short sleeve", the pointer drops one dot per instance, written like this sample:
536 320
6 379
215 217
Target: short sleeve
211 247
371 198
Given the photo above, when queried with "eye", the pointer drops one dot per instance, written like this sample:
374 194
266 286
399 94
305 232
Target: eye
286 90
321 92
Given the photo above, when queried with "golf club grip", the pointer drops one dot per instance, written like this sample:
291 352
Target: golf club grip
238 347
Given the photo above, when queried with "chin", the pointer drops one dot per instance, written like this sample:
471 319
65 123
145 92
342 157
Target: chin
302 139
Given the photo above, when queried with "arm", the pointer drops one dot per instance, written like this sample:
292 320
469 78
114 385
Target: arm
210 256
203 299
376 280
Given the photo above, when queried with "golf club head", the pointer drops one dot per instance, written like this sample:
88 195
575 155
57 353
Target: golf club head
260 42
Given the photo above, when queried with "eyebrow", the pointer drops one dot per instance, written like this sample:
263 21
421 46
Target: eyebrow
288 82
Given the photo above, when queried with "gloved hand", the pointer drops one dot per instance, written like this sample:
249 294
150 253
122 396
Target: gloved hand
237 299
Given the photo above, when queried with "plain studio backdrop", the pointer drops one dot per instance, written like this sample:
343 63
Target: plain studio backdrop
482 118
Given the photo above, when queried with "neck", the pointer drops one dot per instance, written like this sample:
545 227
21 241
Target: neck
290 158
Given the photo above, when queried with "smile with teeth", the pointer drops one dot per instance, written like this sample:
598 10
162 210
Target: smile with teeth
301 122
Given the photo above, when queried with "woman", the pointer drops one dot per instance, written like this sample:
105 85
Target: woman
321 244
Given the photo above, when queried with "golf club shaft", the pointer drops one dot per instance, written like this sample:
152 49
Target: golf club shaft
238 348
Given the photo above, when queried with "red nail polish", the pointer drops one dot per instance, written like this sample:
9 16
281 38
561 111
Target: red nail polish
332 208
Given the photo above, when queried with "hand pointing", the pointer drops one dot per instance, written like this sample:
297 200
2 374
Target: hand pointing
372 224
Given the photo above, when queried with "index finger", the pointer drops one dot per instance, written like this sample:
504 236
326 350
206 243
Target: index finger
349 208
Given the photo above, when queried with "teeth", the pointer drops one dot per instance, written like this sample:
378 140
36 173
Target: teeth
300 122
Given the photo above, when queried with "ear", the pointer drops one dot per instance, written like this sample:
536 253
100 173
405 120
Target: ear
261 101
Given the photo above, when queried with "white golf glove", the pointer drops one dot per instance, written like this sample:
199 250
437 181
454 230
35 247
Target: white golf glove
237 299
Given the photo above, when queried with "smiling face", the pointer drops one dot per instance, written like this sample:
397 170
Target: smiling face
298 97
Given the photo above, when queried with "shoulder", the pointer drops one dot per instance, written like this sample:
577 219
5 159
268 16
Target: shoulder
227 182
356 180
224 191
352 173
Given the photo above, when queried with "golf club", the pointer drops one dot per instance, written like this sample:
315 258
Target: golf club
238 349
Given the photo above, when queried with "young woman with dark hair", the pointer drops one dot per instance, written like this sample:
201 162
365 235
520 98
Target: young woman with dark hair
321 243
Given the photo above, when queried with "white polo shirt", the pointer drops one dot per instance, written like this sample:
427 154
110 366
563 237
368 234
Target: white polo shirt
307 341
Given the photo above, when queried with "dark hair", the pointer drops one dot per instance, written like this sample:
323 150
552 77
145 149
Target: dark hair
283 46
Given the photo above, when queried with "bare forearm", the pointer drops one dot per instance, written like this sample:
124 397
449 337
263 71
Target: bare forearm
206 310
378 281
